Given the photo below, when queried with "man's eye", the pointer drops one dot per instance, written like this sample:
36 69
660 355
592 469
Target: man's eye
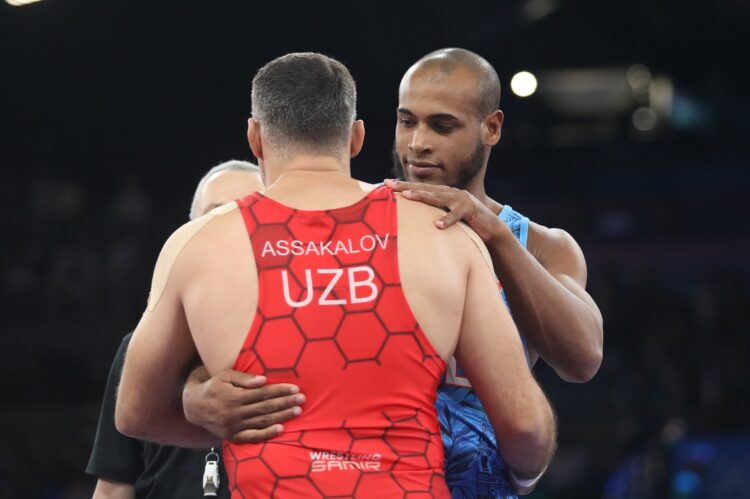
443 127
405 122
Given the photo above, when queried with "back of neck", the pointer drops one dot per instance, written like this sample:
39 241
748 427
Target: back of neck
313 189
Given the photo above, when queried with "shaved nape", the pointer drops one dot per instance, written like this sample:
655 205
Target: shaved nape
448 60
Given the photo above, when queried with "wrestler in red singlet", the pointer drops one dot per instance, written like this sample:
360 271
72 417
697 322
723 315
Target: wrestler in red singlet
332 318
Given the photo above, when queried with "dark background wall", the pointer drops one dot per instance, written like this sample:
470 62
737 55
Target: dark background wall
111 111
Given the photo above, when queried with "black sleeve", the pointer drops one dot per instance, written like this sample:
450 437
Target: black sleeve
114 456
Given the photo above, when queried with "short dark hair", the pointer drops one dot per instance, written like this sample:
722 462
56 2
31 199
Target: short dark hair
305 100
449 59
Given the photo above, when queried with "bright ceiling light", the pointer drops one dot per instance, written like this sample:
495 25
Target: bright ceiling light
18 3
523 84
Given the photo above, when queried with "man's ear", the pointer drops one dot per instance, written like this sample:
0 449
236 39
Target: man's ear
492 128
253 138
358 137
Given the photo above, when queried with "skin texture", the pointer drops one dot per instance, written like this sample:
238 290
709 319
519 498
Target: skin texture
202 310
440 134
438 127
221 188
106 489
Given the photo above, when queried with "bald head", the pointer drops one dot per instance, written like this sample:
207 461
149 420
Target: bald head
224 183
445 62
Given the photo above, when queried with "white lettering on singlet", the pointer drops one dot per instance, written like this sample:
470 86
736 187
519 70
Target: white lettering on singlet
343 461
284 247
336 273
355 284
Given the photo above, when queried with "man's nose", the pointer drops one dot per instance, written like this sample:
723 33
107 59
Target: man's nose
420 140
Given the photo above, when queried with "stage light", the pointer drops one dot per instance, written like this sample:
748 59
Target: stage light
535 10
644 119
19 3
523 84
639 77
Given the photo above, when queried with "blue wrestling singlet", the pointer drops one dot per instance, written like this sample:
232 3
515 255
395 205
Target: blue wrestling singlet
473 466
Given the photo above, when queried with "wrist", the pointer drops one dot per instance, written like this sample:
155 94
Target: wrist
500 235
189 400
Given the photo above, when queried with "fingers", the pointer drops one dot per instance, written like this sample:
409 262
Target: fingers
260 428
243 380
439 199
449 219
271 406
268 420
440 196
255 436
402 185
266 393
457 208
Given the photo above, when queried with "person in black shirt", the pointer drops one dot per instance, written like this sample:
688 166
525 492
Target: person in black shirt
128 468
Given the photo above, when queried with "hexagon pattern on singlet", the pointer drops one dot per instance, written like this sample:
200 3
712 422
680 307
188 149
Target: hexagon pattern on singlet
333 319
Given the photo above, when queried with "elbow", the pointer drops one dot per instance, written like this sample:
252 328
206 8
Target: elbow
130 422
592 360
591 364
585 368
586 364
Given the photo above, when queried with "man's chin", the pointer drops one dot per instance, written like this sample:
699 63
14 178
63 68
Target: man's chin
432 176
434 179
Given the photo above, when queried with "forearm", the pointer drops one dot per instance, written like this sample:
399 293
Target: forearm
164 424
529 445
520 413
149 406
565 329
106 489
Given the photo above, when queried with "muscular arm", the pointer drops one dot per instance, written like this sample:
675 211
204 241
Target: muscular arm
545 288
149 405
159 358
490 350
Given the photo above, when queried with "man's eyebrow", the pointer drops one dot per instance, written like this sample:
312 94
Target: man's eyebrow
438 116
444 116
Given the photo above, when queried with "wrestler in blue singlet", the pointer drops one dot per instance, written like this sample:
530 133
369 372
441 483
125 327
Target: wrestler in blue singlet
473 466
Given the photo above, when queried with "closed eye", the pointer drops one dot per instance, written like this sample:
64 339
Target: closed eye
407 122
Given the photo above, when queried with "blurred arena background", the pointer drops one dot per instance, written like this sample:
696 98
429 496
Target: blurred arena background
635 140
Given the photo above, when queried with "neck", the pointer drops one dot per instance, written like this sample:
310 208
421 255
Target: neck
302 164
476 188
316 189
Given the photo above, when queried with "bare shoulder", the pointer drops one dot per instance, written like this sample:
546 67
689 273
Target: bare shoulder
421 217
556 250
198 232
418 209
217 224
548 239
